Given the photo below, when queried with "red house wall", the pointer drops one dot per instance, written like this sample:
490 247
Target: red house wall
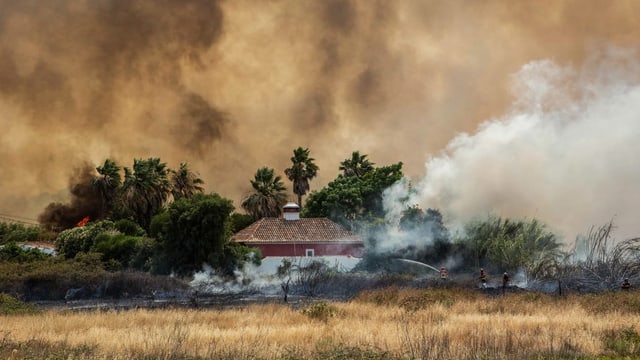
355 250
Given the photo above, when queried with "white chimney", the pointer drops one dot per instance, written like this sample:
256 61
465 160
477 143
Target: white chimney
291 211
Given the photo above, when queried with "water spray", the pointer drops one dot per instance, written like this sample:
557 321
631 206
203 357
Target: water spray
420 264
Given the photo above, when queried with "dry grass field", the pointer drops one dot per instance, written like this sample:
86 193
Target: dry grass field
383 324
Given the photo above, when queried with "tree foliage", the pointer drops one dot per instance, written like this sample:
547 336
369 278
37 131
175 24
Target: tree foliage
429 237
146 188
108 183
192 232
268 196
509 244
184 182
302 170
239 221
358 165
347 199
71 242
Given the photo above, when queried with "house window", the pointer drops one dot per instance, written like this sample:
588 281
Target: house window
309 252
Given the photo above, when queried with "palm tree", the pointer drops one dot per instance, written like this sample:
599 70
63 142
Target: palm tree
268 196
302 170
357 166
146 189
184 182
107 184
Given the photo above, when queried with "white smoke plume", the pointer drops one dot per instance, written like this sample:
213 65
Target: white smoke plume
565 153
246 279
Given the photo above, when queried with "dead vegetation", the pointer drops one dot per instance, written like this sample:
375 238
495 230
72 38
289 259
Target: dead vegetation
390 323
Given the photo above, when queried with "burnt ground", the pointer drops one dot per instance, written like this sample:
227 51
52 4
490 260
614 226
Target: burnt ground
207 301
335 289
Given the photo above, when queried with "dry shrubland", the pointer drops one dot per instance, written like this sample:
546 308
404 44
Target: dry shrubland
391 323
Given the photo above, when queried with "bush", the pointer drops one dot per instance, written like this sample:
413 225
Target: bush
14 252
129 227
18 233
12 306
51 278
81 239
322 311
117 249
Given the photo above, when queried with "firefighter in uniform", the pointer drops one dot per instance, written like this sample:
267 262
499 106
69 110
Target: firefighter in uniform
505 281
444 274
483 278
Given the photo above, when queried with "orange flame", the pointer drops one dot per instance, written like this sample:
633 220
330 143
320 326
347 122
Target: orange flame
83 222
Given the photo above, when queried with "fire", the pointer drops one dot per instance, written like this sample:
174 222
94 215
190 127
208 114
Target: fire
83 222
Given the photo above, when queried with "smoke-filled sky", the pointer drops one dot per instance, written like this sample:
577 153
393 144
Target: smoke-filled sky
230 86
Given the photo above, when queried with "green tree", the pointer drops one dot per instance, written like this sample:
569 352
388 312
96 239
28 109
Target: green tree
184 182
146 188
302 170
430 237
239 221
268 196
349 199
511 244
192 232
107 183
357 166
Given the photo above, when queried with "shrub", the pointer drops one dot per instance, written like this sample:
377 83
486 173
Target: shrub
12 306
18 233
129 227
117 249
322 311
51 278
81 239
14 252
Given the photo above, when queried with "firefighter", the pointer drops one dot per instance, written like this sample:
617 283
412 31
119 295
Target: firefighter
444 274
625 284
483 278
505 281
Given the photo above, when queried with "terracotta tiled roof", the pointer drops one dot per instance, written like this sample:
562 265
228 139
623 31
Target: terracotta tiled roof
310 230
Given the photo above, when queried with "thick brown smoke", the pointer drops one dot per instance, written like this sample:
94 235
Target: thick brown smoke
230 86
84 202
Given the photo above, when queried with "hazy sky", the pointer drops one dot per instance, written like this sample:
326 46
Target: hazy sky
230 86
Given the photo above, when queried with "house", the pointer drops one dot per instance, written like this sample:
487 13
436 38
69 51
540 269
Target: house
292 236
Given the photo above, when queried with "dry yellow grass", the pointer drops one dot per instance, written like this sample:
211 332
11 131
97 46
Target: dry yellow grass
455 326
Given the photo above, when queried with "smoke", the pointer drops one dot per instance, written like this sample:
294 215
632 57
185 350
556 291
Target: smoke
85 201
248 279
231 86
564 153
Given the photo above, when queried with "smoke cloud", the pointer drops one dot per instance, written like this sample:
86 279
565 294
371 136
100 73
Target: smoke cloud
85 202
230 86
564 153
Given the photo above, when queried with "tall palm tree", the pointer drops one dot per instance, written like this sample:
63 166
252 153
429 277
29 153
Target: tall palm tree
268 196
357 166
302 170
107 184
146 188
184 182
